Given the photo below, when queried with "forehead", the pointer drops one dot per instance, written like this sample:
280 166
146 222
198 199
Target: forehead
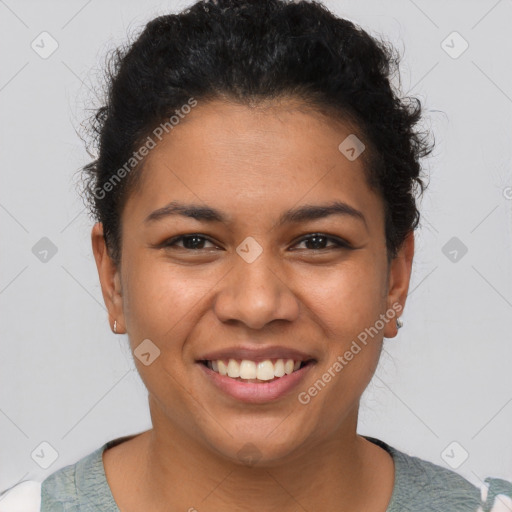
267 157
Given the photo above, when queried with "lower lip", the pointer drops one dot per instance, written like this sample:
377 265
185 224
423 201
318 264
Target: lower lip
252 392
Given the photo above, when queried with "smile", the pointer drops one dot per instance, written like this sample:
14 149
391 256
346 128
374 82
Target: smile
255 382
246 370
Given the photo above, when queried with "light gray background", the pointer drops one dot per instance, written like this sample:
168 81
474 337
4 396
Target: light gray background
67 380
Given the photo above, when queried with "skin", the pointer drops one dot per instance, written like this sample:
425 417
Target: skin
252 164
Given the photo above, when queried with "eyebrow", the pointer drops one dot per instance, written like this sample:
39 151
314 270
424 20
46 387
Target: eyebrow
303 213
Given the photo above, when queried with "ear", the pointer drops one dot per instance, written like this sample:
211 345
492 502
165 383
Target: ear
398 282
109 278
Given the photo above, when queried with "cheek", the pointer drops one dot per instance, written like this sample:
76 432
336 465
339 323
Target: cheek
159 301
347 299
161 305
347 303
346 306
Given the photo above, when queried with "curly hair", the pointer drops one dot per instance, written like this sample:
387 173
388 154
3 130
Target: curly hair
250 51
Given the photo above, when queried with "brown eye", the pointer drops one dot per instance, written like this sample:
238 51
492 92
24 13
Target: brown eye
191 242
315 242
318 241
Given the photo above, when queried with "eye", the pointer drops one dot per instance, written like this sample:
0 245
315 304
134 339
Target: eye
317 241
191 242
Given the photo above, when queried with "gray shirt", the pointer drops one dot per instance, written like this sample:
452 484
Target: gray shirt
420 486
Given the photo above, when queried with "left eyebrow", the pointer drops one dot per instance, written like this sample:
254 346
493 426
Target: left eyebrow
295 215
314 212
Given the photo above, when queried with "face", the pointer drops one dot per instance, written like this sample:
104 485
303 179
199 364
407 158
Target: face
245 265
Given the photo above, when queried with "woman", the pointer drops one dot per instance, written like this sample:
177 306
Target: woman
255 193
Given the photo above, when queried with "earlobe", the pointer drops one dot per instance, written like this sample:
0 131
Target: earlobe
109 278
398 282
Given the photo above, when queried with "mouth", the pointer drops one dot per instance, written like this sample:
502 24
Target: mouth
256 371
256 375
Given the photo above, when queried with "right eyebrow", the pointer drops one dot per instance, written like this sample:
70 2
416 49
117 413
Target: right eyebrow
198 212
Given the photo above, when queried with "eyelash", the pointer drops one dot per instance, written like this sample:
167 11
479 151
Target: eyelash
339 243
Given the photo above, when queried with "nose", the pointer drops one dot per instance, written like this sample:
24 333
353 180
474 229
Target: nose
255 295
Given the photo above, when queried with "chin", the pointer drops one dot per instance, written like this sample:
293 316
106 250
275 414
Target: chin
258 446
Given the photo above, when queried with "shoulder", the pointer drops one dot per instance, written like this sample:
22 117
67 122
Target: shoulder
60 487
421 485
81 484
424 482
70 485
71 488
56 493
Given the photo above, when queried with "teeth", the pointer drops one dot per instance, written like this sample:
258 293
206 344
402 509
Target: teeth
223 369
265 370
233 369
279 368
249 370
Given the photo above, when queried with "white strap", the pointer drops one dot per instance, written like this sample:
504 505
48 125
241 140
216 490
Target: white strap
501 503
23 497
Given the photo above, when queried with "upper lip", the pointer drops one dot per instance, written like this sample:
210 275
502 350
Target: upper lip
256 354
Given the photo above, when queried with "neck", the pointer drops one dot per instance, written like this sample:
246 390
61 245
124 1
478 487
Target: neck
338 473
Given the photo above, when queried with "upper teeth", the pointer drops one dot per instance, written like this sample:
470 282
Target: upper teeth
246 369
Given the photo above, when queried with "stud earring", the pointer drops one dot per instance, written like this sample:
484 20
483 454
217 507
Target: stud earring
399 323
115 326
